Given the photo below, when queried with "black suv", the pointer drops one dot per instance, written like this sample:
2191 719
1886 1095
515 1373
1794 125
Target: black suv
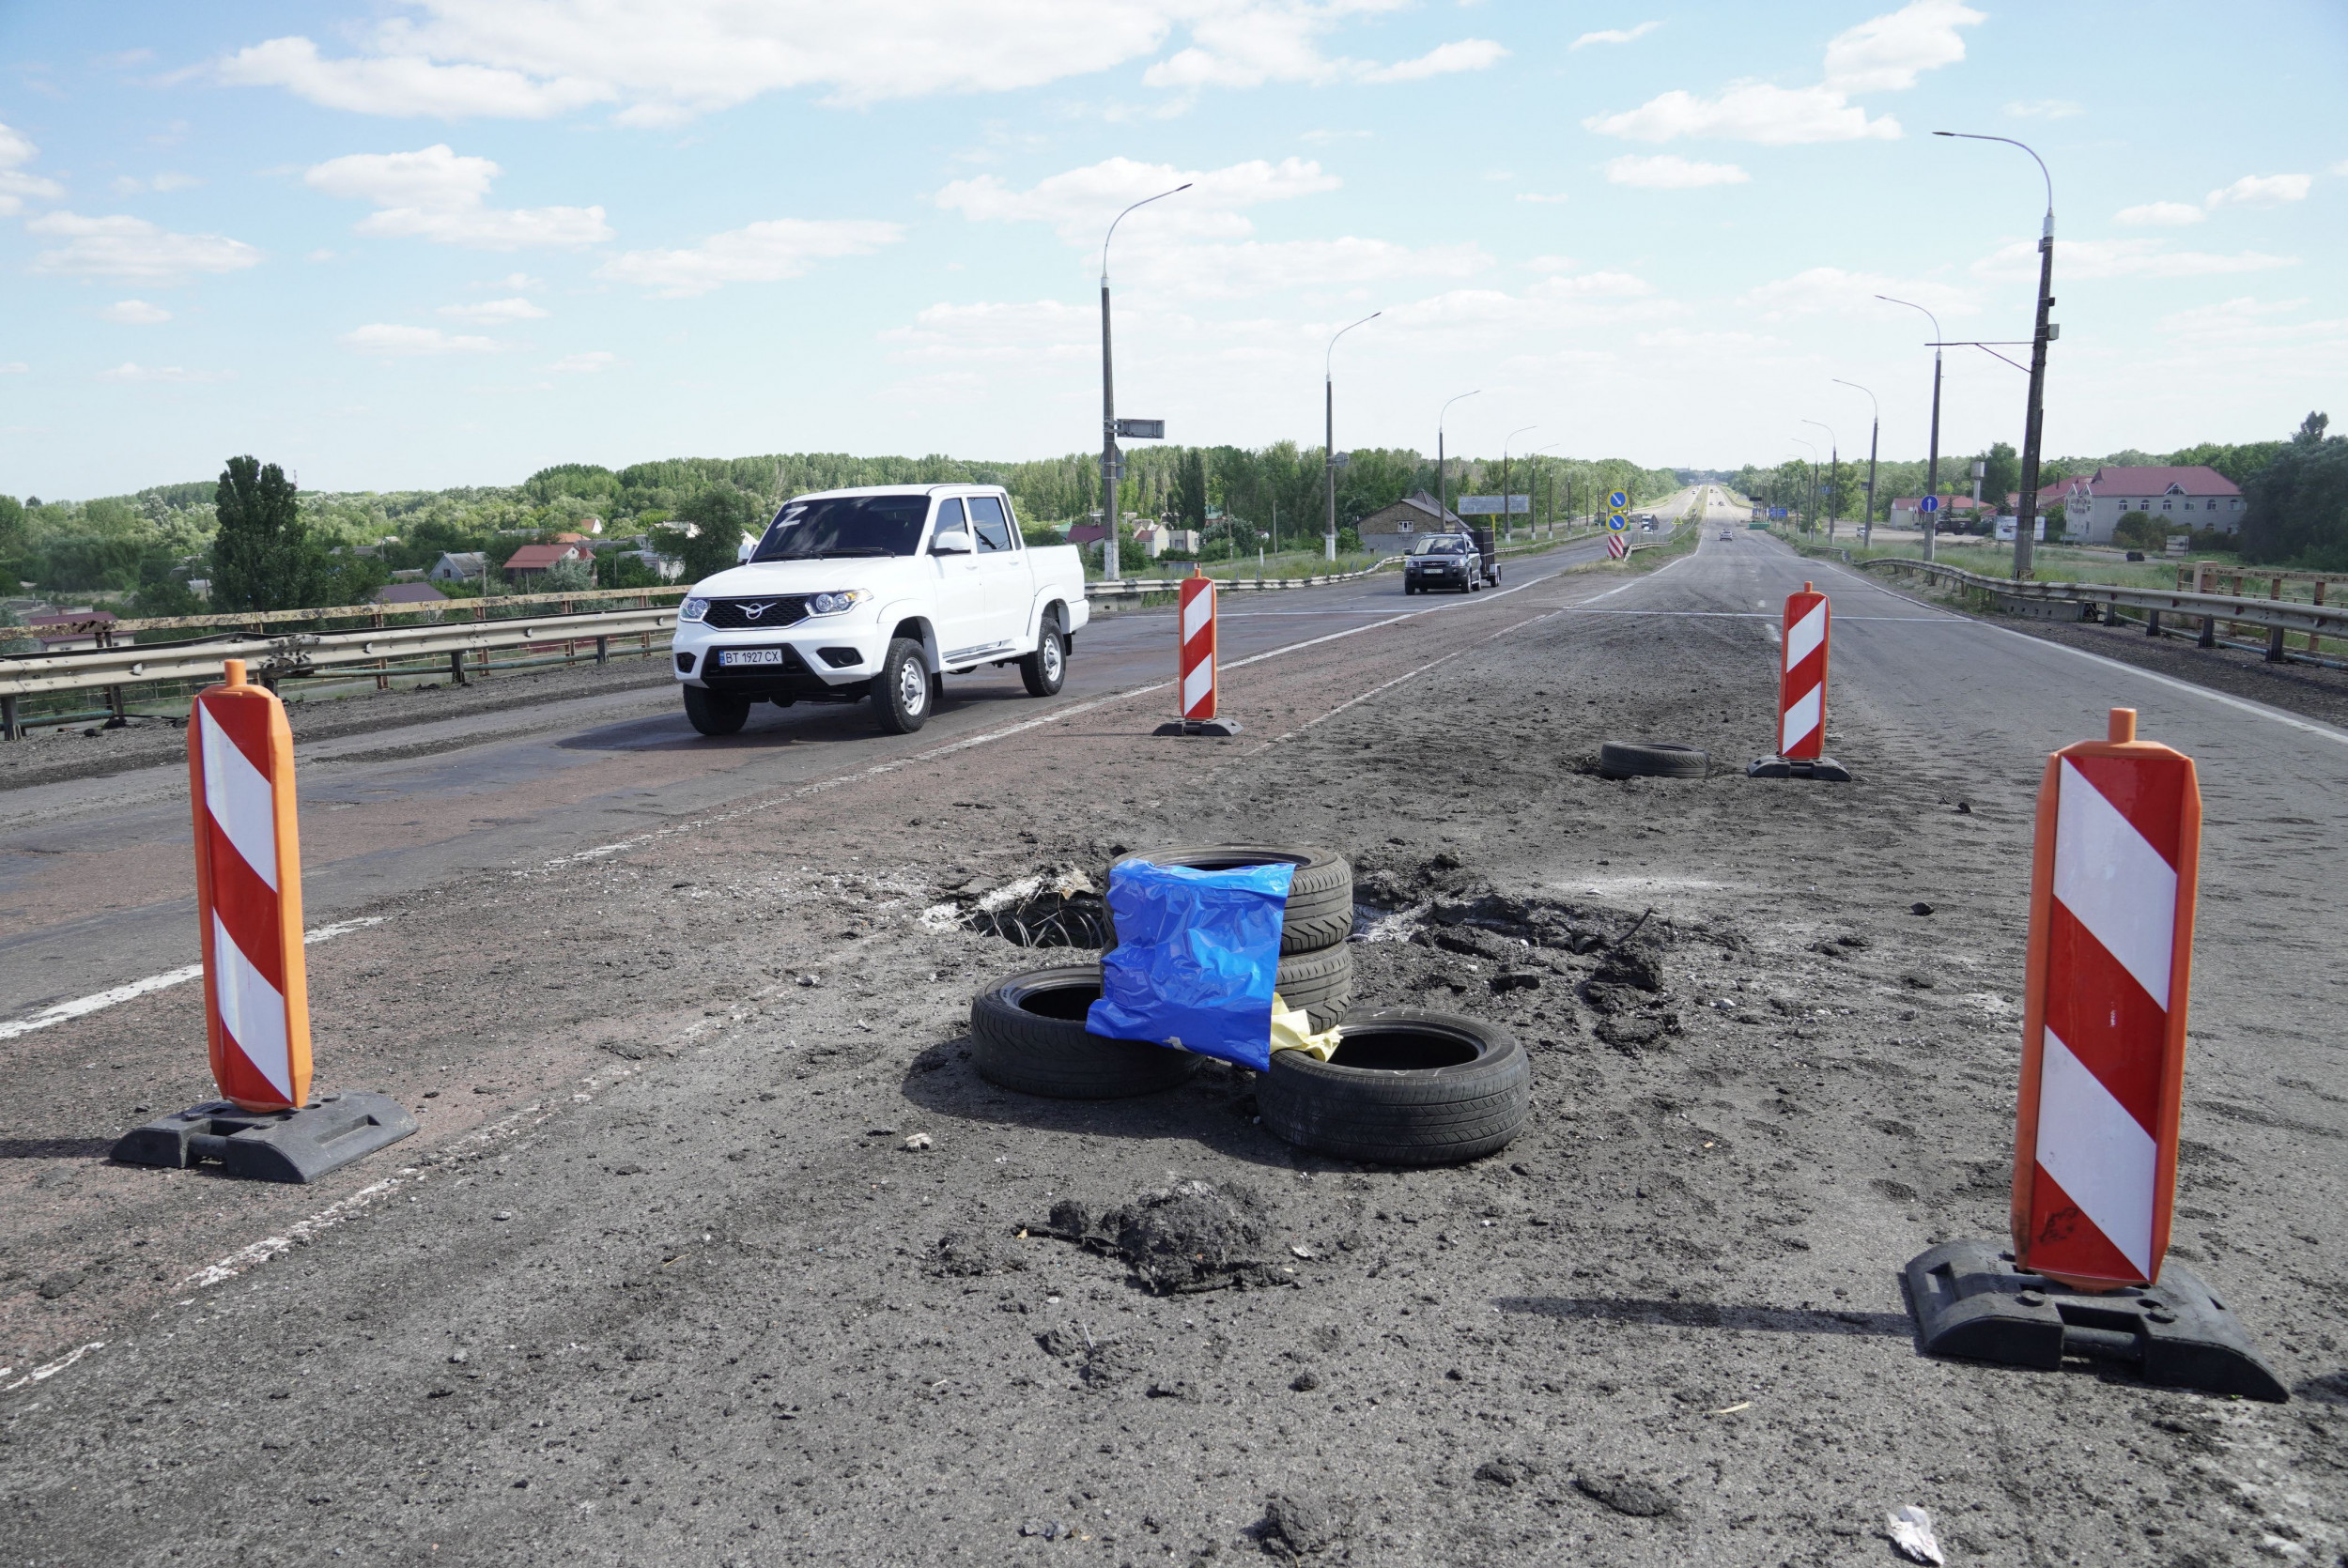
1445 561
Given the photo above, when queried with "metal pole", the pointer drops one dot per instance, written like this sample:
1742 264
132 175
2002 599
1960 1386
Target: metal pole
1329 412
1111 459
1932 461
1442 505
1503 474
1867 524
2026 514
1835 471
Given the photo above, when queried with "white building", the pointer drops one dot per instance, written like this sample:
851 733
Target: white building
2182 497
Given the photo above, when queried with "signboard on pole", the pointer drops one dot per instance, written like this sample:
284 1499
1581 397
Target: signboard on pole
1929 504
1617 501
1489 506
1617 522
1142 429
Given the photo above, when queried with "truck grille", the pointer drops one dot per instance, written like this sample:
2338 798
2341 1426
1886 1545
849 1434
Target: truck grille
759 614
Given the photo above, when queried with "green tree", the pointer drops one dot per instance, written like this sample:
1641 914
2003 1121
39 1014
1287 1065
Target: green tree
2005 475
720 515
262 558
2295 508
13 531
1190 490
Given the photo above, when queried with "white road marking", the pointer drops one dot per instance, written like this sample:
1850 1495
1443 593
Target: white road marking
82 1006
42 1374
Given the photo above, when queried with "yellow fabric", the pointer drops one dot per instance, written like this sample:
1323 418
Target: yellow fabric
1292 1030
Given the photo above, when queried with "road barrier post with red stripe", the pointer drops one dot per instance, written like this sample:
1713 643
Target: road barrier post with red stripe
2110 961
2108 974
257 1004
1196 675
1801 694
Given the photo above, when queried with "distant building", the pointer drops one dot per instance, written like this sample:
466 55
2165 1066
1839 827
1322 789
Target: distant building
1088 533
409 593
2184 498
1905 513
460 566
1393 530
1156 539
532 561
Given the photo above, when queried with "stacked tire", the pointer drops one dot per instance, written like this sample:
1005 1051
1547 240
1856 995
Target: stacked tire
1403 1087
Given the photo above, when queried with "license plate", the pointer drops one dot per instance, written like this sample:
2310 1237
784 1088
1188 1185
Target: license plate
751 656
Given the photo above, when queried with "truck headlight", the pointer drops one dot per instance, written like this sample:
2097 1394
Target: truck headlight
692 610
834 604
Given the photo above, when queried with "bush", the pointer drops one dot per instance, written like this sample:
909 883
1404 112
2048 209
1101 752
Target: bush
2140 530
2295 508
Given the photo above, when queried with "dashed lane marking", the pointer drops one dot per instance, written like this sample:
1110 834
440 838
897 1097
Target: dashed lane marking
83 1006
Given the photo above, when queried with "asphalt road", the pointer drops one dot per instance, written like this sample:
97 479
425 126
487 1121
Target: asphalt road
658 1282
94 874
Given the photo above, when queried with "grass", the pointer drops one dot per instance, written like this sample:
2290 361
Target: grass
1991 558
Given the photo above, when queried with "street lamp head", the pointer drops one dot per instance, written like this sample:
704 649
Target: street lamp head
1120 217
1329 359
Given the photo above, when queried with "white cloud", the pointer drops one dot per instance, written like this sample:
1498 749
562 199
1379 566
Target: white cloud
1749 112
124 247
760 252
1831 289
1252 266
436 194
2045 108
135 312
407 85
2121 258
2262 190
585 364
1541 197
1081 202
1670 172
1548 264
385 340
2160 214
1444 60
131 372
2232 318
132 185
2341 167
16 186
1885 53
516 309
1616 35
16 367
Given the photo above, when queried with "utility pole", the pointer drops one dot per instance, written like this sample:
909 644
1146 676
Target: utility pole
1834 475
1505 512
2026 514
1329 412
1112 460
1867 527
1932 461
1442 505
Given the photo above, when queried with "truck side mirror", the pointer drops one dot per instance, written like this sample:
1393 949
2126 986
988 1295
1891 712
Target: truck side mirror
952 540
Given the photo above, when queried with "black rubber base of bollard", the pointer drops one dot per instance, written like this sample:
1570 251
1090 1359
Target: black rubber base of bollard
1199 727
270 1145
1970 1302
1824 768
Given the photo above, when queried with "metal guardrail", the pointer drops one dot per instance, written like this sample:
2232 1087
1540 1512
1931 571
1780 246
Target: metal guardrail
2276 616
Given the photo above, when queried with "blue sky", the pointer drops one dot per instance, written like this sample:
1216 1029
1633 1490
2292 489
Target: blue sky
424 242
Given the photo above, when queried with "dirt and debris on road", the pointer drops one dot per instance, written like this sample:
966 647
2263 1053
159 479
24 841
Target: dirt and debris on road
661 1280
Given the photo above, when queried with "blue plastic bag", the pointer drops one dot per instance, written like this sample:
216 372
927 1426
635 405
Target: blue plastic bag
1196 957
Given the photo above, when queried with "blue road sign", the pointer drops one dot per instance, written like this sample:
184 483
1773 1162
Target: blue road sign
1617 500
1777 514
1616 521
1930 503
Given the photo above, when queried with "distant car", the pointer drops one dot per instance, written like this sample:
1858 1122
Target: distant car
1727 534
1446 561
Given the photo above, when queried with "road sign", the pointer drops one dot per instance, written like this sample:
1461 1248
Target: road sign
1756 513
1777 514
1618 546
1142 429
1930 503
1341 460
1616 521
1489 506
1617 500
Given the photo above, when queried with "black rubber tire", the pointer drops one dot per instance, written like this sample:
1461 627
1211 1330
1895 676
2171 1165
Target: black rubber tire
714 713
1027 1034
1321 983
1320 896
893 703
1045 670
1470 1098
1651 759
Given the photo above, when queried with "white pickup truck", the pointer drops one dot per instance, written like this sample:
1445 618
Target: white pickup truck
878 593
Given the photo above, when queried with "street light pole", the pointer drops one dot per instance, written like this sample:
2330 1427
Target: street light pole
1443 506
1528 491
1867 528
1810 513
1932 461
2026 514
1329 412
1504 473
1834 474
1112 460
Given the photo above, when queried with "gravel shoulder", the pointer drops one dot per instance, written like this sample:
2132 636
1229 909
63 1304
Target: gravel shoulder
661 1282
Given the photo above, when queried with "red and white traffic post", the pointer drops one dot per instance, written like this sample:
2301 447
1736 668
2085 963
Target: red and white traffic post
1197 676
2108 970
257 1003
1801 694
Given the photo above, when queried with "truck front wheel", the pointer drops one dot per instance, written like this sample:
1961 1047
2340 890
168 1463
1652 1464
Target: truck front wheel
1047 668
714 713
901 693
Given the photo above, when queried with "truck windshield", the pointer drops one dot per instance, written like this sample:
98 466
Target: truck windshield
843 525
